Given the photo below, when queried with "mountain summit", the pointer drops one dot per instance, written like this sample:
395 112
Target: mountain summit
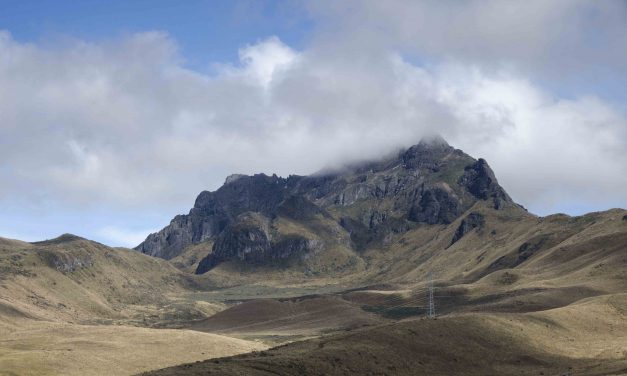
270 220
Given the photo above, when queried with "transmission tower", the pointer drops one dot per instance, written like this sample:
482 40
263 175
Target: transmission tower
431 303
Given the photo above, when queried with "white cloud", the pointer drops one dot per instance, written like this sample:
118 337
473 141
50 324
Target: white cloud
117 236
548 152
557 40
123 124
263 60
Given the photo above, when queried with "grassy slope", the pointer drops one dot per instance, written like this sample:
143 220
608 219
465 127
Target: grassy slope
560 308
489 295
585 252
51 294
189 259
76 280
289 319
550 342
567 259
52 348
580 257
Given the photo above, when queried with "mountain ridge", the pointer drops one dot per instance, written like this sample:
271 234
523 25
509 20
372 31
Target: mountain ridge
428 183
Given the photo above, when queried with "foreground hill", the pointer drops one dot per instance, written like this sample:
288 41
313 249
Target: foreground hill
294 318
70 306
56 348
584 339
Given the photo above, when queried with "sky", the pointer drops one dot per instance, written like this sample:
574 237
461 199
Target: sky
114 115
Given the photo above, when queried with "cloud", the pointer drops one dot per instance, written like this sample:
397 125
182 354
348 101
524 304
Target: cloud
550 153
554 40
122 124
262 61
121 236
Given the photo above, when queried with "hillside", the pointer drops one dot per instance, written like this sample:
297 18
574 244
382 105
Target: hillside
76 280
554 342
548 297
75 307
294 318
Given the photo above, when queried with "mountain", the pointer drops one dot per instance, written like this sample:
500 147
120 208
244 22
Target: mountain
307 220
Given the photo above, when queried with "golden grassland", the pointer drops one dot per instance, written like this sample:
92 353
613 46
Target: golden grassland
521 295
584 339
49 348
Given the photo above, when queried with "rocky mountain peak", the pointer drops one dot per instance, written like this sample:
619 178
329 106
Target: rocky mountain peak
261 217
426 154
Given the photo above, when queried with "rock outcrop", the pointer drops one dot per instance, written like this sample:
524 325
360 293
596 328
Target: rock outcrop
435 206
479 179
213 212
471 222
430 183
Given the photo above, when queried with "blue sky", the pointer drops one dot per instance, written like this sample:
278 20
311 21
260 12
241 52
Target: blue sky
114 115
207 31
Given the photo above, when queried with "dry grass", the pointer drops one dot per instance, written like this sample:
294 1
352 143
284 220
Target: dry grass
284 320
45 348
50 292
560 309
549 343
189 259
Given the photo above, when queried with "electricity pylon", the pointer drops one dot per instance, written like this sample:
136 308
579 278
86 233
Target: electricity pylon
431 313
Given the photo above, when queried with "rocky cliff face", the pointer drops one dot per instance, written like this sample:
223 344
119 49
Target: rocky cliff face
213 212
428 184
